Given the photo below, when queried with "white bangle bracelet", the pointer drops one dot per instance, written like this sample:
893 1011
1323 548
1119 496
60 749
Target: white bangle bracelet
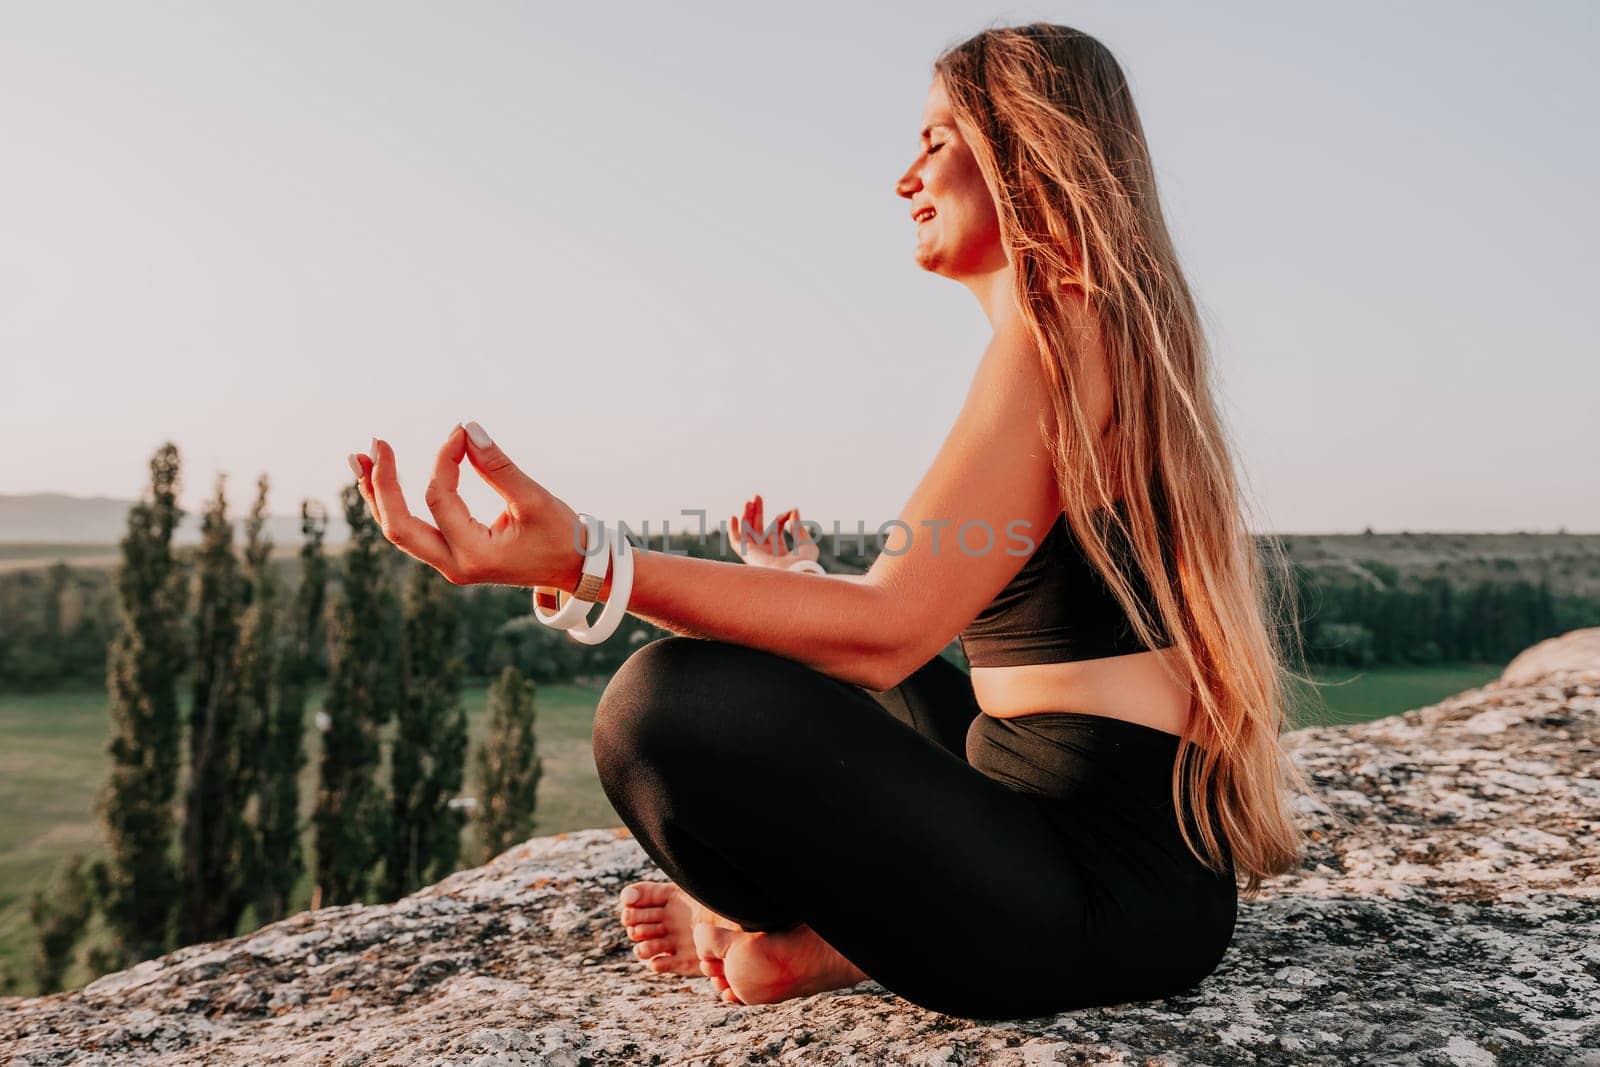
576 609
616 608
807 566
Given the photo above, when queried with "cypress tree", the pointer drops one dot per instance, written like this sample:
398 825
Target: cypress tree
283 750
255 665
430 745
59 917
350 820
508 766
214 820
136 882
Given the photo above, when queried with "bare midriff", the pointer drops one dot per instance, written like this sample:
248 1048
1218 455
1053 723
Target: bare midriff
1150 688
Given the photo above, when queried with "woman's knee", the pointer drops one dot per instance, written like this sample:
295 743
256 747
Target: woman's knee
654 697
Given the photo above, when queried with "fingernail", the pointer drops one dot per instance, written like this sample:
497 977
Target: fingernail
372 449
479 437
629 895
355 464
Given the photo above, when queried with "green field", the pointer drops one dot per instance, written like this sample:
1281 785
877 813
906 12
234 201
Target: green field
52 765
1348 695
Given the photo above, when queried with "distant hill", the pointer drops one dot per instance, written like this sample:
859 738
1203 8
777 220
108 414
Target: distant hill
1569 561
61 520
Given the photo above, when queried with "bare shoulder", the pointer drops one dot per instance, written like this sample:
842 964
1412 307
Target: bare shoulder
1011 371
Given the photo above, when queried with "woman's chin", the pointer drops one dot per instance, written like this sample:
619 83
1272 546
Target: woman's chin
928 257
936 263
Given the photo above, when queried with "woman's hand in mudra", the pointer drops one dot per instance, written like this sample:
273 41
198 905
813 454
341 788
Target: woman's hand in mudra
535 541
771 552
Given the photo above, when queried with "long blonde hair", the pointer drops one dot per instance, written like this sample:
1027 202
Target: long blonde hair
1061 145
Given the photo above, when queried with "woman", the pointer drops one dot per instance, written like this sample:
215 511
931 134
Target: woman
831 798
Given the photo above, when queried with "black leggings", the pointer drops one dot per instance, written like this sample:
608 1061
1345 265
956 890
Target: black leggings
1044 875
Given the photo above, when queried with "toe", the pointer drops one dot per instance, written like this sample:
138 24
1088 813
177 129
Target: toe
634 916
711 942
647 894
646 949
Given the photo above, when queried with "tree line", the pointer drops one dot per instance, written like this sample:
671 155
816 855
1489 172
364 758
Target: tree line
1431 621
56 624
201 811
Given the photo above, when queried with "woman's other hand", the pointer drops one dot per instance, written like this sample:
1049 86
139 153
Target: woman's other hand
747 533
535 541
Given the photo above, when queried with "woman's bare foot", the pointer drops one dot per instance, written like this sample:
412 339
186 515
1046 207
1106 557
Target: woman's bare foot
660 920
764 968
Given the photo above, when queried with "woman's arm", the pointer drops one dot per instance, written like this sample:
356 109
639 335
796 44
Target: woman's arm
822 620
833 624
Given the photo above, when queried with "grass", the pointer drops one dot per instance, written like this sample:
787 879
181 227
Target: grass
1349 695
53 764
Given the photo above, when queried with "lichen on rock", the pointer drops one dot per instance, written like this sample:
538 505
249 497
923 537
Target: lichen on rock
1448 913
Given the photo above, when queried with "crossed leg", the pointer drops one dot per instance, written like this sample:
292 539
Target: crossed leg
675 934
789 803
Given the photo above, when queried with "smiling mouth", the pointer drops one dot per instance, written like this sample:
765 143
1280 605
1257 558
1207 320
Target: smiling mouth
924 215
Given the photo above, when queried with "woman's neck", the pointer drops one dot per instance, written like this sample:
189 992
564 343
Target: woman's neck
997 296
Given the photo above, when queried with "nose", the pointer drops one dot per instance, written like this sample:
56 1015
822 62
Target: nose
909 182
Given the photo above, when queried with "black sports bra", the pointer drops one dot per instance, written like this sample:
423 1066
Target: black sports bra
1058 608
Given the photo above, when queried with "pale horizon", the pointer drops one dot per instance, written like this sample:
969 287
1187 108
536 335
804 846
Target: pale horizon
268 232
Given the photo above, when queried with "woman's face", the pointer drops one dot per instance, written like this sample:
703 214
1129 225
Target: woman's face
958 229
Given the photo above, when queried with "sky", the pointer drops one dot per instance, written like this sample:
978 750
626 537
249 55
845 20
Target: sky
656 250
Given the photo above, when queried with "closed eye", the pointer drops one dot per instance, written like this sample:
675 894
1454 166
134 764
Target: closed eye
935 147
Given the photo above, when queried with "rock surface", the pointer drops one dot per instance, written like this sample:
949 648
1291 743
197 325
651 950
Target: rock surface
1448 913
